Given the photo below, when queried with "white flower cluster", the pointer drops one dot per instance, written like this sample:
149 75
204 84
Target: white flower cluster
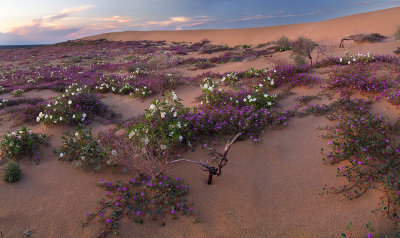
348 59
208 85
2 89
271 81
72 90
31 81
140 92
230 77
138 71
17 92
3 101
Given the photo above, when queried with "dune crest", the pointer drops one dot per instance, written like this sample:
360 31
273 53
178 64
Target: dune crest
382 21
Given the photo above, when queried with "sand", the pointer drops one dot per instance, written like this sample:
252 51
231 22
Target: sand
268 189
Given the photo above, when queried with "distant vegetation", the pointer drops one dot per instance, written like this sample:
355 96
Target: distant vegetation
397 33
302 49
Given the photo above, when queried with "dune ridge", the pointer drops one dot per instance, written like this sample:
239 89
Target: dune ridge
382 21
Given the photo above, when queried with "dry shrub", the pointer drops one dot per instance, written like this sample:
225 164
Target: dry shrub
125 151
159 63
302 48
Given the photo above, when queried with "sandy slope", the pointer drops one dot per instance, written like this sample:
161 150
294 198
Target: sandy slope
383 21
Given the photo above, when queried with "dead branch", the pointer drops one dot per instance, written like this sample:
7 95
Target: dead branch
220 160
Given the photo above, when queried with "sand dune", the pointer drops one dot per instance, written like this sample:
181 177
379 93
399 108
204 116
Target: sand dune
382 21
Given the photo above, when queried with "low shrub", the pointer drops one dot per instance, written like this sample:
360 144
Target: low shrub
77 106
302 48
84 150
162 129
283 44
141 199
11 172
17 92
21 142
203 65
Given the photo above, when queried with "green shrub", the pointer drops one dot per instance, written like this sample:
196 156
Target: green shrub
11 172
17 92
21 142
83 150
283 43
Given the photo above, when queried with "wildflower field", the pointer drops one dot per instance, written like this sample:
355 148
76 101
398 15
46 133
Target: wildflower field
127 138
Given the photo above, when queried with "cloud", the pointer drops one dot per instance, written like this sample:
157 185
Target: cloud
276 14
46 22
64 26
178 22
388 4
361 3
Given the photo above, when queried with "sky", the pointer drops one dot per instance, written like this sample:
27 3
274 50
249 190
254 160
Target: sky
51 21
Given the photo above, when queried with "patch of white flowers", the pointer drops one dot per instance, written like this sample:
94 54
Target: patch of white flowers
348 59
55 111
230 78
3 101
208 85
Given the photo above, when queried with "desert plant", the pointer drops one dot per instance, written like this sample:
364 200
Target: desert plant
161 129
83 150
283 43
17 92
302 48
11 172
220 159
397 33
21 142
141 198
77 105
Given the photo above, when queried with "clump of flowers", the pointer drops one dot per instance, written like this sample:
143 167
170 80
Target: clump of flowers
17 92
140 92
84 150
21 142
357 77
106 84
232 79
365 141
77 105
140 199
250 73
162 128
349 59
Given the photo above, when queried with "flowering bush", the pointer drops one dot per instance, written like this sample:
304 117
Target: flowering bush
106 84
349 59
365 142
140 92
83 150
232 79
21 142
77 105
162 128
17 92
141 199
